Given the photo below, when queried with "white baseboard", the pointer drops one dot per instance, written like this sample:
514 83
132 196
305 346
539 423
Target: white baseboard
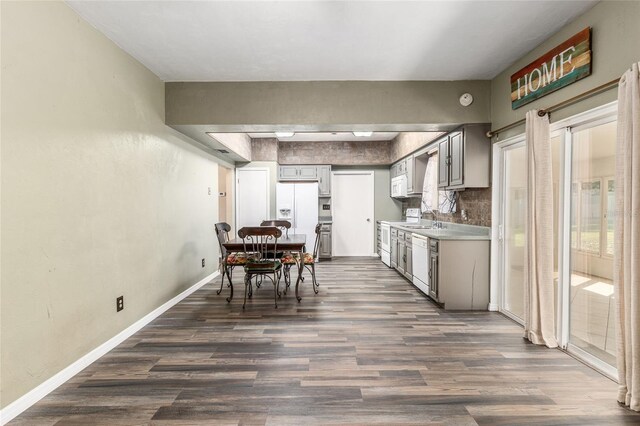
493 307
27 400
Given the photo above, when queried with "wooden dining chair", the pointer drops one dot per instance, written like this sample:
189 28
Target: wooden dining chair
262 243
228 260
309 263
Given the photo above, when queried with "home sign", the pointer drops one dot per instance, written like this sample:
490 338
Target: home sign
559 67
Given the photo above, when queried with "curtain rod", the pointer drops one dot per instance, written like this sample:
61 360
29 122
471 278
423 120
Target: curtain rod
606 86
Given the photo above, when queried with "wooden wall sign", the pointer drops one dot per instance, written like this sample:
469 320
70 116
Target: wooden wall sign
559 67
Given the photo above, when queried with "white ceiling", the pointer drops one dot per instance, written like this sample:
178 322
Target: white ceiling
327 40
328 136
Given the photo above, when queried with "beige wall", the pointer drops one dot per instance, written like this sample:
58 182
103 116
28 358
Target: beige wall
325 105
100 198
222 200
615 46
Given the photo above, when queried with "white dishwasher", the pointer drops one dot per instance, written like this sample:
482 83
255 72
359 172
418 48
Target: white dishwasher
420 259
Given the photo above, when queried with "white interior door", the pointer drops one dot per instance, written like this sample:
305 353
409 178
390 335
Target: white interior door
352 199
252 196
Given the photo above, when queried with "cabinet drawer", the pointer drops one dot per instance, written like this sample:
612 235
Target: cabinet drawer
408 237
394 232
326 227
401 235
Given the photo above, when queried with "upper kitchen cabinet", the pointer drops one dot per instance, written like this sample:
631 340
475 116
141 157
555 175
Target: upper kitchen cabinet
287 173
324 181
399 168
413 167
308 172
297 173
464 158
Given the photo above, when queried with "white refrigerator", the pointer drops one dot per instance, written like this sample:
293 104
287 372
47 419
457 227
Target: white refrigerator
298 203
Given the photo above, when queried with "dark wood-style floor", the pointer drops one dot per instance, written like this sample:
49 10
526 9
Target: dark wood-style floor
369 349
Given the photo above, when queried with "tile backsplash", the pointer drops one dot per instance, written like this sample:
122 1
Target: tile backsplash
476 203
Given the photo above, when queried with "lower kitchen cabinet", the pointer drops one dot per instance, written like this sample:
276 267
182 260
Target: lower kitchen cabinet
402 251
458 269
408 269
434 276
460 274
324 251
394 248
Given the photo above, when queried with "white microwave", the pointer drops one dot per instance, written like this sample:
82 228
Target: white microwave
399 186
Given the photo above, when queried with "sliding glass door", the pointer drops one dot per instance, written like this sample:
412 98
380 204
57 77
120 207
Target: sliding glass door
591 265
514 202
583 164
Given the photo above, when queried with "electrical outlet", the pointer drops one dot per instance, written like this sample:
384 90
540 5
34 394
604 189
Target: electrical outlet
119 303
203 263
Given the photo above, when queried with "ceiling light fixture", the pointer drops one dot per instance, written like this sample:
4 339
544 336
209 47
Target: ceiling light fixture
285 134
362 134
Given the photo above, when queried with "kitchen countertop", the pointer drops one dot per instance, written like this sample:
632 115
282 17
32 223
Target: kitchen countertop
451 231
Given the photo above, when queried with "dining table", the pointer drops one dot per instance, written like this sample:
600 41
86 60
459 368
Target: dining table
294 243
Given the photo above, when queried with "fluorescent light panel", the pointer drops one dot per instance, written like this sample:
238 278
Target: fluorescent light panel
362 134
285 134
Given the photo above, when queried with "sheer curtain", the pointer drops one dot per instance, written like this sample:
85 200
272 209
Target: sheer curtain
430 186
626 278
539 319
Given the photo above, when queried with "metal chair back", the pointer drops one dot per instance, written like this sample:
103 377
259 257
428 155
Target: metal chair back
316 245
261 240
283 225
222 232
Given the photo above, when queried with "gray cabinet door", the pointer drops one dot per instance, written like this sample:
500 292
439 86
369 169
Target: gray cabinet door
287 172
402 256
308 172
433 276
456 156
394 252
324 181
410 178
443 163
324 251
409 267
